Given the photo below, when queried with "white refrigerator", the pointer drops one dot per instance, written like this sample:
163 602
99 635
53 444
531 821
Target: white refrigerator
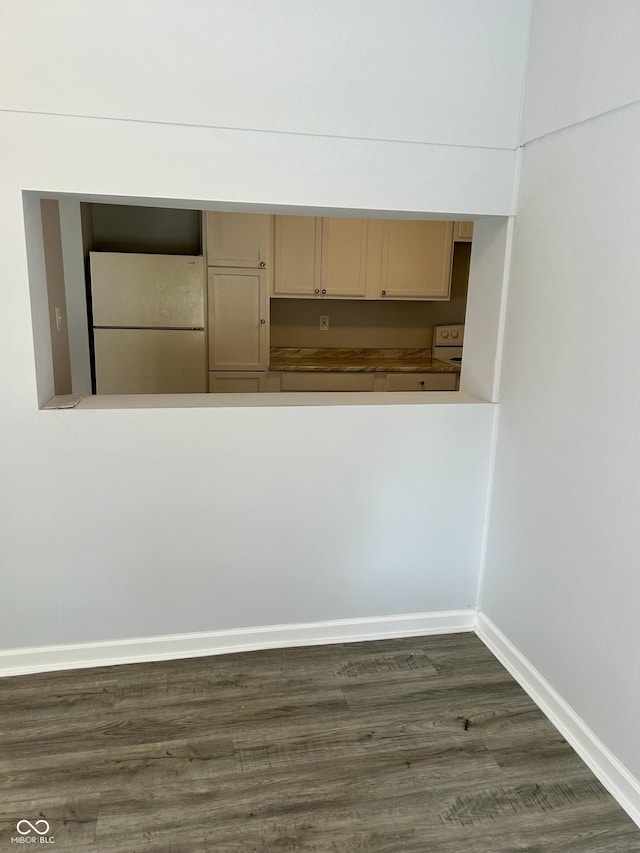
148 323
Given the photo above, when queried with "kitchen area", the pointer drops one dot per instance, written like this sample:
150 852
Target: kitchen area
185 301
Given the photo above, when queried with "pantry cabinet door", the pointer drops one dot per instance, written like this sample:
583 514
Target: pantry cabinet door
297 255
416 259
238 327
344 257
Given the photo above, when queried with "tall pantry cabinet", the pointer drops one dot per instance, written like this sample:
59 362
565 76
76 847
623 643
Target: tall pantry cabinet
238 250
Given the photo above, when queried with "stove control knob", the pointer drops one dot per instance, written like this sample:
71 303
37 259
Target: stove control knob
454 334
445 334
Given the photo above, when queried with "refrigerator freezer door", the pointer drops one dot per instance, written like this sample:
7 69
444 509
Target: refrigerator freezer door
147 291
150 361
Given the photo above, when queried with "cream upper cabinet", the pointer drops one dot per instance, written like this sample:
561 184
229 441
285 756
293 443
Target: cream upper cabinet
297 258
361 258
463 231
344 257
237 239
238 327
319 257
416 259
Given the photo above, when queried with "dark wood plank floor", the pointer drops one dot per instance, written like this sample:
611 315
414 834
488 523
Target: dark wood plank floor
421 744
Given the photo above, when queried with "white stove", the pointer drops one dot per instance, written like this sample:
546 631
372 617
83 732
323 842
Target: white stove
447 343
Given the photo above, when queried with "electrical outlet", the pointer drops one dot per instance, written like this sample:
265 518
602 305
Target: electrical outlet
324 322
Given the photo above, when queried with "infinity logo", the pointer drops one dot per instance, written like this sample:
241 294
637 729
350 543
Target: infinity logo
33 827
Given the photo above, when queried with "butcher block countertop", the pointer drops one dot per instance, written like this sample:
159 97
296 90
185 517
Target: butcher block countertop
358 360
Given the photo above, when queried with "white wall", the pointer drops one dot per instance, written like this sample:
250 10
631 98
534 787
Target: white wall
124 523
562 578
128 523
413 70
60 154
583 61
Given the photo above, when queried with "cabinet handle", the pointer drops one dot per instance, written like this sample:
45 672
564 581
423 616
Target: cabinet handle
317 290
384 293
262 322
323 292
422 383
262 264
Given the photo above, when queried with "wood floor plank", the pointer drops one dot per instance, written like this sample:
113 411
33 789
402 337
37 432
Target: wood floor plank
144 725
20 706
387 665
117 768
72 820
433 696
257 690
544 752
417 744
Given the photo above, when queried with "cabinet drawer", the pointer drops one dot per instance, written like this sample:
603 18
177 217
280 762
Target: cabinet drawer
422 381
230 382
328 381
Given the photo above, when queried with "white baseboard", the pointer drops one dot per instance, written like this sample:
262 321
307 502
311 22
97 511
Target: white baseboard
138 650
620 783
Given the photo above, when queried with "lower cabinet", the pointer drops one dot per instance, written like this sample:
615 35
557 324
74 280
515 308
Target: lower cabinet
328 382
422 381
272 382
235 382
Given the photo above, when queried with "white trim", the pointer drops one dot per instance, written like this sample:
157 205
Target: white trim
272 400
502 313
620 783
488 505
138 650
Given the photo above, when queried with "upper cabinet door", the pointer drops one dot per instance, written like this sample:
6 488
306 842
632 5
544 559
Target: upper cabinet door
297 255
416 259
237 239
344 257
463 231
